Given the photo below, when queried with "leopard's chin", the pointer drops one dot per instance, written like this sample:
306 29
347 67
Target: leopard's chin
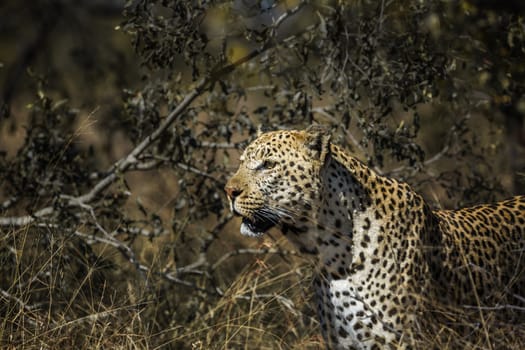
255 228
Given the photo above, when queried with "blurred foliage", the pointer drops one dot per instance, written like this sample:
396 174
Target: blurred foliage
431 92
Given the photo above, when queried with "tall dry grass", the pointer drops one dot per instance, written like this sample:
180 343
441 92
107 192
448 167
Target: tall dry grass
59 292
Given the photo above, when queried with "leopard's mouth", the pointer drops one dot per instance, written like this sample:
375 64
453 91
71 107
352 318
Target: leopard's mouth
256 227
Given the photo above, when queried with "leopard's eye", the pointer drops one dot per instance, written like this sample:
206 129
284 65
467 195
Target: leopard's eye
266 165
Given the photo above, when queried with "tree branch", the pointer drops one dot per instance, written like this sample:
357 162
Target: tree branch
131 159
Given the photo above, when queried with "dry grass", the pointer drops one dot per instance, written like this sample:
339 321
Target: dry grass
59 292
448 327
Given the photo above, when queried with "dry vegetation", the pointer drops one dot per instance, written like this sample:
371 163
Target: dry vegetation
114 230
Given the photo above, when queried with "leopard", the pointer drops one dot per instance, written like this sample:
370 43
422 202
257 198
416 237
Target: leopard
379 250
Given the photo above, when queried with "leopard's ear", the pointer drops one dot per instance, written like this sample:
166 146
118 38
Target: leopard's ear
317 140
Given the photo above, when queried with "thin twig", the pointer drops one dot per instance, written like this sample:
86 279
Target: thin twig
196 171
288 303
427 162
250 251
224 145
495 307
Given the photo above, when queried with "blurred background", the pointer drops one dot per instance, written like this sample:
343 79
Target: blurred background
429 92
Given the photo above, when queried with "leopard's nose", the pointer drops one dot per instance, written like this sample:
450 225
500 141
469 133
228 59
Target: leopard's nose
232 191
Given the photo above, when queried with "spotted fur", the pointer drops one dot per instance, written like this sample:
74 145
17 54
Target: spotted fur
378 248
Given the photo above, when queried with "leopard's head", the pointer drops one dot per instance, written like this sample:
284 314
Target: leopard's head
278 180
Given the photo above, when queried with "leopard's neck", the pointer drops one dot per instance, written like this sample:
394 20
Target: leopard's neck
358 213
368 238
